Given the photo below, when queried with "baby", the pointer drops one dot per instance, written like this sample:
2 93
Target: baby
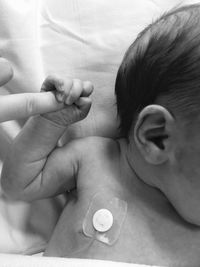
135 199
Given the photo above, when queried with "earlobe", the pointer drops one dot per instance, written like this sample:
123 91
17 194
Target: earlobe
152 133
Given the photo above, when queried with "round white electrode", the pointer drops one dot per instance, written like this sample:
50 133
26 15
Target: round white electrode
102 220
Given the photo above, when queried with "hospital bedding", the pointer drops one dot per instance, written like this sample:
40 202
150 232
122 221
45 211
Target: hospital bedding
83 39
30 261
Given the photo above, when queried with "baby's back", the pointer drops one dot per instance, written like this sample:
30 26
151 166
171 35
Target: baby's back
112 215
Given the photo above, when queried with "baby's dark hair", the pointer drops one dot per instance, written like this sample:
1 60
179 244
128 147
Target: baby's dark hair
162 66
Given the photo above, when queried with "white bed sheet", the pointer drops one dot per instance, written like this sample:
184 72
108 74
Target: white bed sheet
8 260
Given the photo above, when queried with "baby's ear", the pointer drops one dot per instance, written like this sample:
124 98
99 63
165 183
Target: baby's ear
153 133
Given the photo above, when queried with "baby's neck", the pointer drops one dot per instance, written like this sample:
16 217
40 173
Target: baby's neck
140 192
131 163
128 172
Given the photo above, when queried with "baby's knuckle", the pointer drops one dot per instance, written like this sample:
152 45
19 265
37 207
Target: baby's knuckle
50 77
78 83
88 83
69 81
67 85
77 80
43 87
74 94
71 94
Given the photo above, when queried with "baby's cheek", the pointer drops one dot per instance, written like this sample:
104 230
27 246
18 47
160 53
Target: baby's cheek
188 162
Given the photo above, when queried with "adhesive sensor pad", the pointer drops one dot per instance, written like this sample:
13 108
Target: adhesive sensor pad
104 218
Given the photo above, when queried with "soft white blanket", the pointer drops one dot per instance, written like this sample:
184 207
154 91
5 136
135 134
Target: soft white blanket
7 260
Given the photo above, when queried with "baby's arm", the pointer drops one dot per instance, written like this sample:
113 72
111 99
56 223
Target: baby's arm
25 170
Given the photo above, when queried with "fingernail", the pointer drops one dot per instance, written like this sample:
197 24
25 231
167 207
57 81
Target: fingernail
60 97
60 88
68 101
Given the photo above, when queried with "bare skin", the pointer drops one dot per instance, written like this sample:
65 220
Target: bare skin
153 231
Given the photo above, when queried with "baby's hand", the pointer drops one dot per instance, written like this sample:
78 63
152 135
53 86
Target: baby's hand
74 94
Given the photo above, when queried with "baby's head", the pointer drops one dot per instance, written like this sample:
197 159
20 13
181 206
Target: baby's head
158 102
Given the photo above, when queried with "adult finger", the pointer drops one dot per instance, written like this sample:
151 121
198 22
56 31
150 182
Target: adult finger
24 105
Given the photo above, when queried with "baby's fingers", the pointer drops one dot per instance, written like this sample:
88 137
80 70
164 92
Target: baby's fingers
87 88
75 92
84 105
79 89
52 83
64 90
